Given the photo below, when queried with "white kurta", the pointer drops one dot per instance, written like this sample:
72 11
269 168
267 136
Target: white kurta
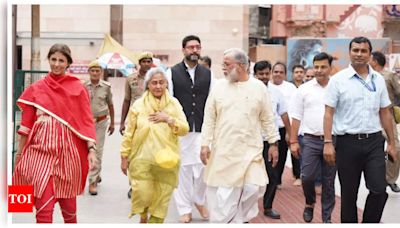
190 144
191 187
234 116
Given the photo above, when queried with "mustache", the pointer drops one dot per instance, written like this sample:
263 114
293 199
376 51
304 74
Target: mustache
193 57
232 76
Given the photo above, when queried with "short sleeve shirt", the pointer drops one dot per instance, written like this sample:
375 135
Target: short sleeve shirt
356 101
100 97
393 86
134 87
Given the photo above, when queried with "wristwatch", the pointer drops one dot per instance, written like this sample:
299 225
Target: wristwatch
274 143
92 147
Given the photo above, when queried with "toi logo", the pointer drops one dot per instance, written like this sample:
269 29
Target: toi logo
20 198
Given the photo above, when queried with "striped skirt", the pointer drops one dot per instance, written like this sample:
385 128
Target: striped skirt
50 151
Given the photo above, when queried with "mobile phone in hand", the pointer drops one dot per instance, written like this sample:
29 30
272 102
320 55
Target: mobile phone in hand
390 158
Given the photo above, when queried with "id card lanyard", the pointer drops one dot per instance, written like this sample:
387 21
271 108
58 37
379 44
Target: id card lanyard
373 88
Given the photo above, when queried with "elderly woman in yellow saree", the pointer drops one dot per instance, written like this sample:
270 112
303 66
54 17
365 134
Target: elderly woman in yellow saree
150 148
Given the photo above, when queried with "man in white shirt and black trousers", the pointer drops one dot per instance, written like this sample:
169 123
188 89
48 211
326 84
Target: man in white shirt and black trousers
262 71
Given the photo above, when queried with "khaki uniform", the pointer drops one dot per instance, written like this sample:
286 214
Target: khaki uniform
134 87
393 87
100 98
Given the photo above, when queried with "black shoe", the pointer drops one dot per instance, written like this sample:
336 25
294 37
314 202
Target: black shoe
328 221
272 213
98 179
93 189
130 193
394 187
308 214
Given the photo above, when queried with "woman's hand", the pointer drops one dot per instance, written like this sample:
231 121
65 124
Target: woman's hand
124 164
17 158
159 117
92 159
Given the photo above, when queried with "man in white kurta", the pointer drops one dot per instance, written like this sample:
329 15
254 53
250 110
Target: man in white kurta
238 109
192 96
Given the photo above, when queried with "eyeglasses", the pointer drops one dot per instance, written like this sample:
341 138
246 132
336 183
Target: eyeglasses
192 47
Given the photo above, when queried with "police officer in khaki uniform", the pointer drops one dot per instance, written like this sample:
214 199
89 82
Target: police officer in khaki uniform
102 106
377 63
134 88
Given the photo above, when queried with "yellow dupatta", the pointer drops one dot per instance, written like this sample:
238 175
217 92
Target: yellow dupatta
156 138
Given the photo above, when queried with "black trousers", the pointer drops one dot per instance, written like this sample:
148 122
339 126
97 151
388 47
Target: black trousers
353 157
269 194
283 150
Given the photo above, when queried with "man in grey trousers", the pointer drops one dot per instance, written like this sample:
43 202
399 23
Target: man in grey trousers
308 109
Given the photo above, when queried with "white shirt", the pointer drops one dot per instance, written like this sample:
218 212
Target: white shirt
308 107
279 106
287 89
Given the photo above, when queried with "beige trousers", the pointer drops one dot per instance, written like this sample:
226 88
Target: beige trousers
392 168
101 128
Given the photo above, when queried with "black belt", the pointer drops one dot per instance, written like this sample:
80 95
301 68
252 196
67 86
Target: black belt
361 136
320 137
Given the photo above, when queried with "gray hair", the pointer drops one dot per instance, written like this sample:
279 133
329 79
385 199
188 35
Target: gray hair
239 55
150 73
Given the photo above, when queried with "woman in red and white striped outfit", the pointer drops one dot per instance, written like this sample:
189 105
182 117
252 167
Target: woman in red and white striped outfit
57 139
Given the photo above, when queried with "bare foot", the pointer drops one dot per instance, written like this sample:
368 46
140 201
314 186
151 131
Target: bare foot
143 220
203 211
186 218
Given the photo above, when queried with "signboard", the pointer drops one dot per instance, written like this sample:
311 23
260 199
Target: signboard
79 67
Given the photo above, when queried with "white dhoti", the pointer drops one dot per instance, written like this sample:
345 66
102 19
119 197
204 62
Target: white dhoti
233 205
191 188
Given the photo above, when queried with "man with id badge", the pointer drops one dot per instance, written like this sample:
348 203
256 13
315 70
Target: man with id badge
356 104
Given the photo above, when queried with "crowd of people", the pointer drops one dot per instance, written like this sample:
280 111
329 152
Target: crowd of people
215 144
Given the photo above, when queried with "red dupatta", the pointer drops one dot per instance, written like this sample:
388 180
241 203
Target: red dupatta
65 99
